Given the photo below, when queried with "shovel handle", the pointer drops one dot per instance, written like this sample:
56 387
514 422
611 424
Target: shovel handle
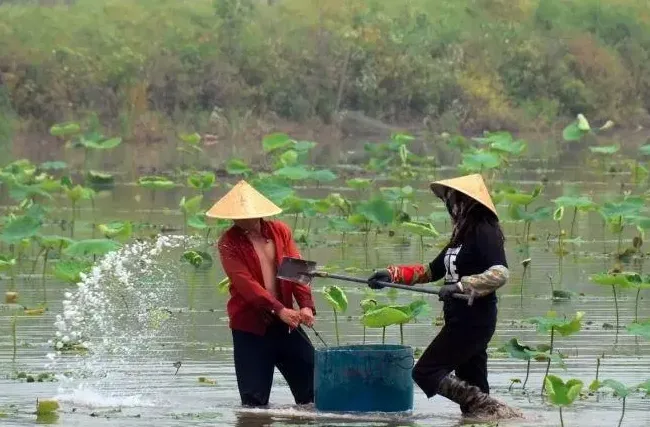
468 298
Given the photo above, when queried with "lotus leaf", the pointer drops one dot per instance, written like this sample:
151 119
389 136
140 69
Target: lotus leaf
608 149
336 298
562 326
201 181
156 183
237 167
562 394
120 230
94 247
377 211
423 229
641 329
191 139
70 270
276 141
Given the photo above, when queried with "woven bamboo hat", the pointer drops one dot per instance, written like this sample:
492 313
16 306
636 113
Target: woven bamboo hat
243 202
470 185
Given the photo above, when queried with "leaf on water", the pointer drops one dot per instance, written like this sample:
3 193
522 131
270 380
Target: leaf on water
293 173
562 394
70 270
383 317
358 183
336 298
607 149
55 165
94 247
99 178
156 183
237 167
641 329
276 141
65 129
105 144
191 139
573 132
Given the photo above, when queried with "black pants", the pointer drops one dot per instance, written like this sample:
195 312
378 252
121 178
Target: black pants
257 356
461 346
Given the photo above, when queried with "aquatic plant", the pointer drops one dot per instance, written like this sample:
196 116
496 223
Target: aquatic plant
620 390
422 230
614 280
519 351
551 323
382 316
118 230
189 143
197 259
47 244
337 299
525 263
640 328
202 181
621 213
578 204
91 247
562 394
577 129
153 184
75 194
190 208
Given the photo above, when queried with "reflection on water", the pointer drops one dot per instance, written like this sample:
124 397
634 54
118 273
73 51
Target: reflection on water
142 391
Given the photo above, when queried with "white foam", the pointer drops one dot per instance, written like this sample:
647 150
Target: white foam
89 398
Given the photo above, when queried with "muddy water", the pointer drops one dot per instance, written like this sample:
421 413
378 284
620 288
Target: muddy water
139 387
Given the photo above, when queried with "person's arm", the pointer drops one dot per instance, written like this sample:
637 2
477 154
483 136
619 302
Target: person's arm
302 293
491 255
243 282
418 273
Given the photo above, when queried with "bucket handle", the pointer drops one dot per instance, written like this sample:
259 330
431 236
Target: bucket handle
401 359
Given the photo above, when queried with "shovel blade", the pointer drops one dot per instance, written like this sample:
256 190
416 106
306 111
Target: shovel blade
296 270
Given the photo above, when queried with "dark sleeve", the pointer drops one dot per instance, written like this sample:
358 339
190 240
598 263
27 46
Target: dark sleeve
490 249
437 266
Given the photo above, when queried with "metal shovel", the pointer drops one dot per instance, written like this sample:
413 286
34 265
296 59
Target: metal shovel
302 271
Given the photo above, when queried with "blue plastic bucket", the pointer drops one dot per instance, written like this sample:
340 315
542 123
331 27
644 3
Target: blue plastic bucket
364 378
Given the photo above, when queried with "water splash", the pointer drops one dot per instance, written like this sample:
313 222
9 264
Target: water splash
120 314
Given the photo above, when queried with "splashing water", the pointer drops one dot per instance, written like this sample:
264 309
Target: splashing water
119 314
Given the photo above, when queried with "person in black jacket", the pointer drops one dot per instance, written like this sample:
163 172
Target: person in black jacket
474 262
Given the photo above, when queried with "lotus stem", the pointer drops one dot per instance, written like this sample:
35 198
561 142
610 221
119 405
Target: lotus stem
622 413
548 364
401 333
383 335
13 335
523 387
636 306
616 309
573 222
45 257
521 290
561 419
364 335
597 367
336 327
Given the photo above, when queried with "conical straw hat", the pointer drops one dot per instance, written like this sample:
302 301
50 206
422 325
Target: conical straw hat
470 185
243 202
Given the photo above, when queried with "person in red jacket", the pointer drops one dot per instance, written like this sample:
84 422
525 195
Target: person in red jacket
265 326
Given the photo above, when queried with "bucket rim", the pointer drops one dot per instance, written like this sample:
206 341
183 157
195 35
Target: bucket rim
379 348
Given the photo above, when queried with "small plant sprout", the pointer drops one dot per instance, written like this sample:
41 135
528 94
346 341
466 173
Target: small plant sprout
576 204
562 394
337 299
614 280
621 391
551 323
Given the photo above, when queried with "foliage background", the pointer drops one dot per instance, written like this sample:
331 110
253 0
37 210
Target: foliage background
147 67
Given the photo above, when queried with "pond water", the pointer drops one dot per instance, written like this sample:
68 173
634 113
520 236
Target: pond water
130 380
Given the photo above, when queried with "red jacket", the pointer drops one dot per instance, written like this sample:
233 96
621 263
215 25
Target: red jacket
251 307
